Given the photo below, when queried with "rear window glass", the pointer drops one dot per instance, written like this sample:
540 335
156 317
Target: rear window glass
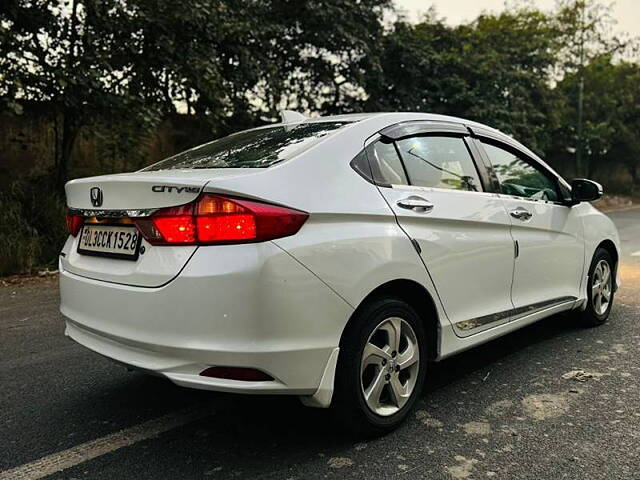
258 148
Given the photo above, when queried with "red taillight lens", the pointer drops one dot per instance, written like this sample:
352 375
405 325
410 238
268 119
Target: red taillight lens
74 223
215 219
219 219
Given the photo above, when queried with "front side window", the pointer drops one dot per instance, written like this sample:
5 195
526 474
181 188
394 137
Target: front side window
439 162
259 148
519 178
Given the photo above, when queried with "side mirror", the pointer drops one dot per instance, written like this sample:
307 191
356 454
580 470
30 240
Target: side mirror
583 190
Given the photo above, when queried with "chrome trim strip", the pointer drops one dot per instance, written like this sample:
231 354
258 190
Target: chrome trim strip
538 307
473 323
513 314
427 190
535 201
147 212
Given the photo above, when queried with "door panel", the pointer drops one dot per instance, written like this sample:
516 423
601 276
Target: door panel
551 252
467 248
549 265
462 233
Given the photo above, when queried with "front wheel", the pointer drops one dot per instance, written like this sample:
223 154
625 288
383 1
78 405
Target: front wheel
381 367
600 290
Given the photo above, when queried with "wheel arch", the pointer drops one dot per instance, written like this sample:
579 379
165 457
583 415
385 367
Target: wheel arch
610 247
415 295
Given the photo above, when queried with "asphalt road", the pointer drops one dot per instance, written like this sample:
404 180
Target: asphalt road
501 411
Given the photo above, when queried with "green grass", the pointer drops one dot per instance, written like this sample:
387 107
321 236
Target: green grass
32 226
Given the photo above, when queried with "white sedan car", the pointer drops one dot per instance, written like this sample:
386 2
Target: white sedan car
330 258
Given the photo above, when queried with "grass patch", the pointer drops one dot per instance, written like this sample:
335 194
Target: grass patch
32 226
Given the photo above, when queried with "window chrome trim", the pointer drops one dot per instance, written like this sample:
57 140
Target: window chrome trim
419 188
506 196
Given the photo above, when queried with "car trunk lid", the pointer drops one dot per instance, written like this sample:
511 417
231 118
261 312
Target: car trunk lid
112 199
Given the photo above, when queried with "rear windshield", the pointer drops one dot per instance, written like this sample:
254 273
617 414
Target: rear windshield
258 148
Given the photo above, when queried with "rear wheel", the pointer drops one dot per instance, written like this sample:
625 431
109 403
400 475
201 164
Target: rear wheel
600 290
381 368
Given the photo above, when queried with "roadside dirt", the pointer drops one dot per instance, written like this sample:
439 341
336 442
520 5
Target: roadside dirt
46 277
609 203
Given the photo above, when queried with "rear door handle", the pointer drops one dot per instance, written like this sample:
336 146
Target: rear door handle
521 213
417 204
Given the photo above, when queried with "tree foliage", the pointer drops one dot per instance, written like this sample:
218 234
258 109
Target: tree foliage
232 64
612 116
494 70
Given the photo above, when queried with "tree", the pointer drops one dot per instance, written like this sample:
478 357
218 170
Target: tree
322 51
495 70
511 57
231 64
611 117
585 29
69 56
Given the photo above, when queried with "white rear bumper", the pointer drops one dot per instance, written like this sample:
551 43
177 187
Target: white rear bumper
248 306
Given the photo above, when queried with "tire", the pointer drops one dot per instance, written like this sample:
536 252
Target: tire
373 325
597 311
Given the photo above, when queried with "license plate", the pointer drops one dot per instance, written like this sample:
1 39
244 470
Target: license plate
116 241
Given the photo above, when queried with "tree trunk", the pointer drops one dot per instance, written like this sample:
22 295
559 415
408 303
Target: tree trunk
70 131
69 120
56 141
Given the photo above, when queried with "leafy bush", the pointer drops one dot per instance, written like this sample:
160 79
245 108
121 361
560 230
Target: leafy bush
32 228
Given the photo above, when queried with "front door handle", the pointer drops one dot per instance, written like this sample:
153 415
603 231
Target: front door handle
521 214
417 204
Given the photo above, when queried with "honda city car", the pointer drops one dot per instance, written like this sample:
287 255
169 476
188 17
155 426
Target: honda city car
331 258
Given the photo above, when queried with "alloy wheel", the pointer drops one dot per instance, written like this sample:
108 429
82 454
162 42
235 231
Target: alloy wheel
389 366
601 287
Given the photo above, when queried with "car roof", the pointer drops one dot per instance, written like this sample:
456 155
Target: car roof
391 118
399 117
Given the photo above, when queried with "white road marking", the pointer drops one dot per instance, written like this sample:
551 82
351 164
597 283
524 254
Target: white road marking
73 456
636 254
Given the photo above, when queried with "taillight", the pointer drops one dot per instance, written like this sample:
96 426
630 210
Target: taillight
214 219
74 223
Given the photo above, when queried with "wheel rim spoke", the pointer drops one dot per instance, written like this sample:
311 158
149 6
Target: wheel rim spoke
399 392
373 392
393 327
374 355
409 357
606 273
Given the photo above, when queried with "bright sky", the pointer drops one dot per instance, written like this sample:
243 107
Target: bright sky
625 12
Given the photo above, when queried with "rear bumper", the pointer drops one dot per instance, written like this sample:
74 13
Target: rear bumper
244 306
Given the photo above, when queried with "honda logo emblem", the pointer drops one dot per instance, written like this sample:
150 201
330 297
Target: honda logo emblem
96 197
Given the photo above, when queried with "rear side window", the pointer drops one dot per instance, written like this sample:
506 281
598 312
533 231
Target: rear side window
259 148
439 162
386 166
519 178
